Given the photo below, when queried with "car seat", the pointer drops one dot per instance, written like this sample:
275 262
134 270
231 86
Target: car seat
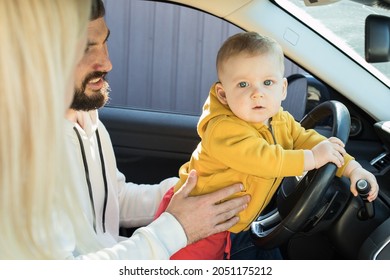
296 99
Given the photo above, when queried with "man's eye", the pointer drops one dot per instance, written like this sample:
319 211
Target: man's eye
243 84
87 48
268 82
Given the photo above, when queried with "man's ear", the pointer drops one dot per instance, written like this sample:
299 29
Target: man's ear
285 84
220 92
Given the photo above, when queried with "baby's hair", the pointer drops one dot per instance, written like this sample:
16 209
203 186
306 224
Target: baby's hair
250 43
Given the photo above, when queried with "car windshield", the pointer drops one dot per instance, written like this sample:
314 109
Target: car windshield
343 23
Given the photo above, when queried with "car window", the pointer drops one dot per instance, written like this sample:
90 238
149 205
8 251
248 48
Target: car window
163 55
343 23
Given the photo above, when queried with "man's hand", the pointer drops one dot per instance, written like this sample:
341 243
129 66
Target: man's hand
202 216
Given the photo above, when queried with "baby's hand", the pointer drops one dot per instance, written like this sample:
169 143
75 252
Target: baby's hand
361 173
330 150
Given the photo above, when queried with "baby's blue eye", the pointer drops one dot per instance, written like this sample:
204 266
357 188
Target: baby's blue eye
243 84
268 82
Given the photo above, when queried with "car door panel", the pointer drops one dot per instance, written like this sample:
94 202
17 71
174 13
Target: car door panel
150 146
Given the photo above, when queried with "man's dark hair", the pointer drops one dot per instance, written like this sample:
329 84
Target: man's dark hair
97 10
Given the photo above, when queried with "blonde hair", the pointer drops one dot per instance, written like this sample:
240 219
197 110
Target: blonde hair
38 200
250 43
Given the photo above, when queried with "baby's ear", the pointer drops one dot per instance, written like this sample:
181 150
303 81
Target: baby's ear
285 84
220 92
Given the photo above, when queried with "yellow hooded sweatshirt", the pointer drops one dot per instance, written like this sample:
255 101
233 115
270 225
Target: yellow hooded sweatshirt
233 151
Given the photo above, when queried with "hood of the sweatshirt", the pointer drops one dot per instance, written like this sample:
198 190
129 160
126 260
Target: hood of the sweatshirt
87 121
211 109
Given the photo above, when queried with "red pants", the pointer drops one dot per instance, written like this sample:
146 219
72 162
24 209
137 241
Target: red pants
214 247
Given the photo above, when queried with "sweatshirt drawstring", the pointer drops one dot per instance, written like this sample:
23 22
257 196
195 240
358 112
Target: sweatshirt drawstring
105 180
87 177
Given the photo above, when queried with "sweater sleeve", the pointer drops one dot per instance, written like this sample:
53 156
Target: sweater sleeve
307 139
159 240
249 151
139 202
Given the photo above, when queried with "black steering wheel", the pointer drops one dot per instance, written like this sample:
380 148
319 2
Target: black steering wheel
296 207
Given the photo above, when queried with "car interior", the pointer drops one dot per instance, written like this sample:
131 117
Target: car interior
313 216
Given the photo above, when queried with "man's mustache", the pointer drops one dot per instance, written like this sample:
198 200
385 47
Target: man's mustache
92 76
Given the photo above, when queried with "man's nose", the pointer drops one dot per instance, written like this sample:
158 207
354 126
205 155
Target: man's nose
103 62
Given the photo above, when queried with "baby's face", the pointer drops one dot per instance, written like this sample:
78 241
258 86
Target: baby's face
253 86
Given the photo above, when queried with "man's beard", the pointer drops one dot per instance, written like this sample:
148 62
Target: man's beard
83 102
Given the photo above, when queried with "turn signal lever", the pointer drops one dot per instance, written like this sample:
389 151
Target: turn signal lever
363 188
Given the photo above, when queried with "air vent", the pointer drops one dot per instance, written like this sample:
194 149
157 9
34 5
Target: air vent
381 162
